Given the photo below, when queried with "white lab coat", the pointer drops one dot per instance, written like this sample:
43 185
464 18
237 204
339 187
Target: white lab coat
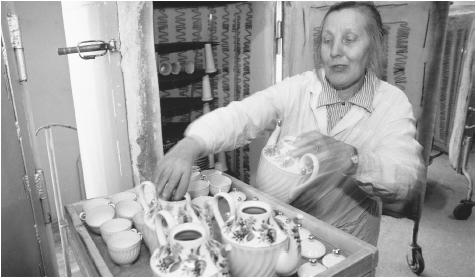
389 155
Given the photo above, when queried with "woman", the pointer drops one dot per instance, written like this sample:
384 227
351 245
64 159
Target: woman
364 126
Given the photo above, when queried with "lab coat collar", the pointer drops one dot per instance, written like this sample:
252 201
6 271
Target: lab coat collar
320 113
352 117
355 114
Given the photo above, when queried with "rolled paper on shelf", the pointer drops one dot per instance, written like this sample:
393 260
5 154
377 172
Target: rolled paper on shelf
210 64
176 67
211 160
206 89
189 67
273 138
211 157
165 68
206 108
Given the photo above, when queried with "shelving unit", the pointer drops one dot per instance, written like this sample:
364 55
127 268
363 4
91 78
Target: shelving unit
167 82
174 106
165 48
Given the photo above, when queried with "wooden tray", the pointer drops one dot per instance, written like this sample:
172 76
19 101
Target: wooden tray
93 258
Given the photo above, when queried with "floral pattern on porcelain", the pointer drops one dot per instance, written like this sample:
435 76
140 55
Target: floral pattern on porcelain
206 260
244 232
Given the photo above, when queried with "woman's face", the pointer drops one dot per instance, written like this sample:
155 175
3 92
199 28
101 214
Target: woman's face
345 47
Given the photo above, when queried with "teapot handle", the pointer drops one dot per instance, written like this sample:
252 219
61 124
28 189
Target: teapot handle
142 196
163 217
294 192
216 211
189 208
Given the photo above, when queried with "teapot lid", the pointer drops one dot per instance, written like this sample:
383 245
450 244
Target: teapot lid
333 258
238 195
312 248
310 269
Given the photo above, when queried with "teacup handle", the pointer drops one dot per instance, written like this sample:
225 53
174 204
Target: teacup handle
137 232
216 211
294 192
82 216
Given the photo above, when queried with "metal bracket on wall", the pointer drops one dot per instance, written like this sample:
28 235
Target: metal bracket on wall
41 188
101 47
16 41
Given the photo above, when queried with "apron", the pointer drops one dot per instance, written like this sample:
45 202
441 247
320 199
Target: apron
339 201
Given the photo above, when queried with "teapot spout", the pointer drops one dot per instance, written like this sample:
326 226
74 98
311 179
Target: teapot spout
288 260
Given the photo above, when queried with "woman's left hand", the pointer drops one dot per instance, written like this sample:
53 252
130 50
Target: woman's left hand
330 152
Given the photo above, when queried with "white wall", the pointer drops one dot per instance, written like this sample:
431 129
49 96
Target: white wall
99 100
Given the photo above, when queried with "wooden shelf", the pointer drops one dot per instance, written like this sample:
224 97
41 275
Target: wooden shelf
170 47
173 106
182 79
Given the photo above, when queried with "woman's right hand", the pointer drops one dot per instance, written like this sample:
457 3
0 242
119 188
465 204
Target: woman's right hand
172 175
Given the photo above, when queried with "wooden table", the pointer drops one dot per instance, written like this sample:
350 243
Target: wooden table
93 259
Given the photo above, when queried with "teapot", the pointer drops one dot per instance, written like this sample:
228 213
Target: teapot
186 249
144 221
282 176
257 242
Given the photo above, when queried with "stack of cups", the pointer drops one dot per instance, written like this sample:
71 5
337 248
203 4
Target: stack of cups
198 187
165 68
219 183
176 68
123 244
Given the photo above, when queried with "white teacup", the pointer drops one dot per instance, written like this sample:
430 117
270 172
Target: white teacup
91 203
198 188
219 183
211 172
113 226
125 195
201 201
96 216
127 209
124 247
195 176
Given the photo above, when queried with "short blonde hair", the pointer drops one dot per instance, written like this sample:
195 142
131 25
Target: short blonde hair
374 28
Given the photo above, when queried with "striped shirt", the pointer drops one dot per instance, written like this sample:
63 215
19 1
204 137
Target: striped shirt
337 108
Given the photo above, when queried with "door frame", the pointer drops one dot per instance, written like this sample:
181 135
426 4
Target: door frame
33 181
